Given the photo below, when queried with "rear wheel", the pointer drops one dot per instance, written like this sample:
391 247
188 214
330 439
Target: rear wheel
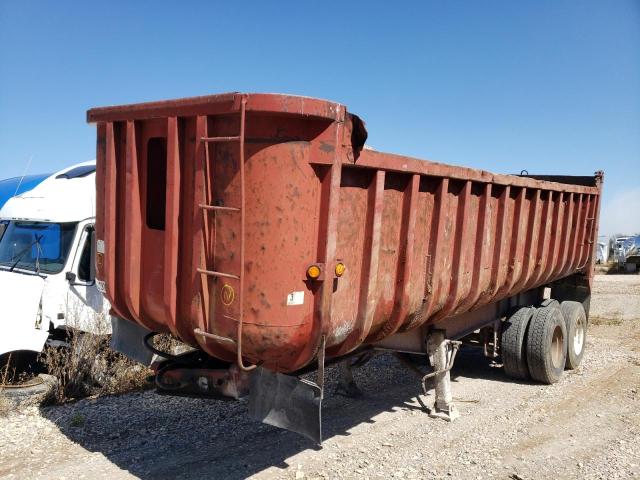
547 344
575 320
513 345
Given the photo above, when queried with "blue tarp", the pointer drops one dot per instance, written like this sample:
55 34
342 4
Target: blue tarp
9 186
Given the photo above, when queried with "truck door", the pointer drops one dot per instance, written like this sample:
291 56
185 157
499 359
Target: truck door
85 304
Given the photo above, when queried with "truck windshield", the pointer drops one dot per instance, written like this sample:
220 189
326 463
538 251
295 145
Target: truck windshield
37 246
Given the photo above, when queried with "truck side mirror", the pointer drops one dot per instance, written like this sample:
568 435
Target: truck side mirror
71 277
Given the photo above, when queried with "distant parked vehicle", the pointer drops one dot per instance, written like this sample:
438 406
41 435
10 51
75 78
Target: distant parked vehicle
47 282
603 248
618 248
631 251
601 253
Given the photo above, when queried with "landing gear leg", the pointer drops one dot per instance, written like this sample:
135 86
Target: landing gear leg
442 353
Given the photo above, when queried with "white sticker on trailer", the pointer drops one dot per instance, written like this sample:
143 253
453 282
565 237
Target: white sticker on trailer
295 298
100 246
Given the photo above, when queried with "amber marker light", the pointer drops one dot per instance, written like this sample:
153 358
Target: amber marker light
313 272
340 268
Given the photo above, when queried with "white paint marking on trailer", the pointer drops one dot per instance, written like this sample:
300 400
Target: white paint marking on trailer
295 298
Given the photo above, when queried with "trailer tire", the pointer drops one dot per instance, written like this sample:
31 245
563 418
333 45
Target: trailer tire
513 345
547 344
39 386
575 319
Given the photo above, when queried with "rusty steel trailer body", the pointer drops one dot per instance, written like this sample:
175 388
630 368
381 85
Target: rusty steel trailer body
211 211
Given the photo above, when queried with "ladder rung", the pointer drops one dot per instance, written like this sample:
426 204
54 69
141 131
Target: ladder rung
217 274
218 338
215 207
221 139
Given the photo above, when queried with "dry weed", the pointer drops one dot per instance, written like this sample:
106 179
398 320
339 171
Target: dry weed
6 405
87 366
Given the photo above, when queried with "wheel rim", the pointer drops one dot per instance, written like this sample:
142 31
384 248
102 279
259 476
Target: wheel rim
578 337
557 357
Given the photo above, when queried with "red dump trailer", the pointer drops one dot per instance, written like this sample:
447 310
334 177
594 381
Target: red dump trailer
259 229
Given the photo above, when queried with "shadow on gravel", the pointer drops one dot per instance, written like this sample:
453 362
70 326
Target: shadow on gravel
471 363
153 436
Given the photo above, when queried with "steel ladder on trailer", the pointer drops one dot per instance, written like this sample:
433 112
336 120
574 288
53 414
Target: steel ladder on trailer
209 207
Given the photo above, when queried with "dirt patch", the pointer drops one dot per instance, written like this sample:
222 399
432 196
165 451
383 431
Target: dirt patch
585 427
605 321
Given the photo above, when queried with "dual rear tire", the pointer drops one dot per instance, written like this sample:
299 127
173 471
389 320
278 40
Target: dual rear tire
539 343
514 340
547 344
576 322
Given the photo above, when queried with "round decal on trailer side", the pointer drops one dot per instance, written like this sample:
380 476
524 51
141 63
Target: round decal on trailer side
227 294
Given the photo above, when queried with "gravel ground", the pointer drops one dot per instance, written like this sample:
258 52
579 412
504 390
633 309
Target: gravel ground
616 297
586 426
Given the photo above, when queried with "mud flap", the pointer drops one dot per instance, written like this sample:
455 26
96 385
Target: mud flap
286 402
128 338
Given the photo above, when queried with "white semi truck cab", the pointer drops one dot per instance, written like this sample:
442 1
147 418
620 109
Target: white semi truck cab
47 283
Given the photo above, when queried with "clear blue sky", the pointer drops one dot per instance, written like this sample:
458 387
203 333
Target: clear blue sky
547 86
